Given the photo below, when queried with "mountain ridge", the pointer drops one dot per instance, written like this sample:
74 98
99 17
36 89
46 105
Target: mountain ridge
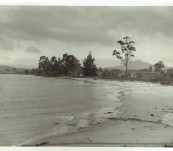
11 69
135 65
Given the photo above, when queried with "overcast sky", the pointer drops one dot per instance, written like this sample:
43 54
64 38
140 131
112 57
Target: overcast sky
28 32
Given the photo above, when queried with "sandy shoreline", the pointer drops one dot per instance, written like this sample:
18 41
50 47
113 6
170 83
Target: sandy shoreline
139 124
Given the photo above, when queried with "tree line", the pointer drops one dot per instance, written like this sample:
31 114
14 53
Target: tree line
68 65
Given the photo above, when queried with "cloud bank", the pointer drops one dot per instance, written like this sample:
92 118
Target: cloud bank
86 28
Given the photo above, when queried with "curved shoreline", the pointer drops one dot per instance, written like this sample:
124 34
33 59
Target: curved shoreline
140 124
98 117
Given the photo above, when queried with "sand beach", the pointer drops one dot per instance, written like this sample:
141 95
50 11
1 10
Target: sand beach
145 118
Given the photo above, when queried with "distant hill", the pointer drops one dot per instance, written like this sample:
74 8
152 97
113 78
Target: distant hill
10 69
135 65
6 69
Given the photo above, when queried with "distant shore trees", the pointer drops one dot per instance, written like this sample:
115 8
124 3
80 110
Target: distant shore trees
89 68
69 65
44 66
126 53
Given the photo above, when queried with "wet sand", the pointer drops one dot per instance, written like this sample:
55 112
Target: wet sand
145 121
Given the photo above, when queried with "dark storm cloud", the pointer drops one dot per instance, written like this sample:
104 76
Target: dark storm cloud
100 25
32 49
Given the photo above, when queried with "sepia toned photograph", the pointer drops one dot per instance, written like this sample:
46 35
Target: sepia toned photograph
88 76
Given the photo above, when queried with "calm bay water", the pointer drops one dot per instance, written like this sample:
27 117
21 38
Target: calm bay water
33 107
